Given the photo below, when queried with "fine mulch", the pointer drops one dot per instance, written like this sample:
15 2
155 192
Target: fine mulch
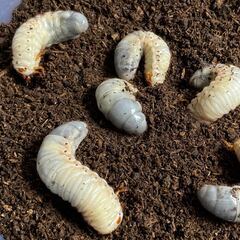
163 168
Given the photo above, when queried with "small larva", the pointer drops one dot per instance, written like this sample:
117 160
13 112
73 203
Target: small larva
75 183
130 49
116 100
223 201
220 97
40 32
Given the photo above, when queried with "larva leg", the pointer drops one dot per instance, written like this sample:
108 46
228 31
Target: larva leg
121 189
33 36
39 70
83 188
228 145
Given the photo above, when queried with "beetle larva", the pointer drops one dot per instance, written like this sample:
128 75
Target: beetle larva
220 97
222 201
130 49
40 32
116 100
75 183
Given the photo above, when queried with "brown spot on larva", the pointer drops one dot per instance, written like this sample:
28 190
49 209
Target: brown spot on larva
21 70
119 220
39 55
148 76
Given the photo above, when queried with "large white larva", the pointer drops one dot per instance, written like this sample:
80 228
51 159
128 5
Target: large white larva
75 183
220 97
116 100
222 201
130 49
40 32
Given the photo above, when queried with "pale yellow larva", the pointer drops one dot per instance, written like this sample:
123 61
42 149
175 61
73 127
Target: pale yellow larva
42 31
220 97
75 183
130 49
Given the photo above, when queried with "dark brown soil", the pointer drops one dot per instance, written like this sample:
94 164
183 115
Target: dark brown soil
163 168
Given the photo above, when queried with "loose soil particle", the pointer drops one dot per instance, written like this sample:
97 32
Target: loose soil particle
163 168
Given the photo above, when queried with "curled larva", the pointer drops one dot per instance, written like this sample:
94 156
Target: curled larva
75 183
220 97
130 49
116 100
40 32
221 201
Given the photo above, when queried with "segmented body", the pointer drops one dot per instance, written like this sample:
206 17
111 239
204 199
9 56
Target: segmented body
116 100
41 31
220 97
75 183
130 49
222 201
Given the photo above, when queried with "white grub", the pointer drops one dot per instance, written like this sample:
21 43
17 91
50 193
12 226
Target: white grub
221 201
74 182
116 100
42 31
220 97
130 49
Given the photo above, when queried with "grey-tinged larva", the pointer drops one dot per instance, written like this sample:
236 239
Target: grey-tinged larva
116 100
42 31
220 97
74 182
223 201
130 49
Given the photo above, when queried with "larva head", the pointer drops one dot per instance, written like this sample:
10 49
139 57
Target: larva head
127 56
74 23
222 201
74 131
202 77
